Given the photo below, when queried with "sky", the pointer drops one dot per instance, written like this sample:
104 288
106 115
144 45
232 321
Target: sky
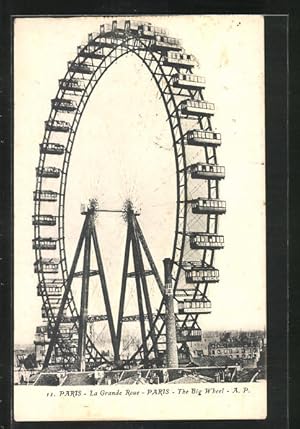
123 149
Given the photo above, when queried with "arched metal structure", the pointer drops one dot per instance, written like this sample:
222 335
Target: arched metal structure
197 172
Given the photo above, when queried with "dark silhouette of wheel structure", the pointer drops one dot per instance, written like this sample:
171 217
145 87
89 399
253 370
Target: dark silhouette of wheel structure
198 176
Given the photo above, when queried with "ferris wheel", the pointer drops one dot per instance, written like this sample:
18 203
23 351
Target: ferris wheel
198 206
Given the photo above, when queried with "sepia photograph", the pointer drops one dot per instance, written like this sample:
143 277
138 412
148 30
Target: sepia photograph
139 218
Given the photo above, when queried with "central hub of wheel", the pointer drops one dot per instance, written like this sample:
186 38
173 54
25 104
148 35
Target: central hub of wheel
129 210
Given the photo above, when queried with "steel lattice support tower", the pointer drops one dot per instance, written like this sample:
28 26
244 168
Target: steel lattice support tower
88 236
136 242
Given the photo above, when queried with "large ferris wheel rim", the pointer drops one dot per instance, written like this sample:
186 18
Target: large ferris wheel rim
141 48
83 102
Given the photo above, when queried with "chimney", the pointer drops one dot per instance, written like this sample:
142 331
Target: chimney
172 356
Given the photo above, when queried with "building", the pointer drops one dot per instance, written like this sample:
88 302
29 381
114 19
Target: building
200 348
235 349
